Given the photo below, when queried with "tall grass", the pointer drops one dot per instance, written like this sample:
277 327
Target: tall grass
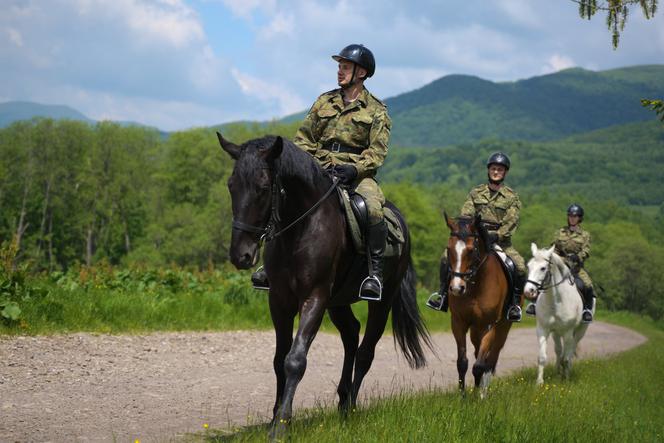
617 399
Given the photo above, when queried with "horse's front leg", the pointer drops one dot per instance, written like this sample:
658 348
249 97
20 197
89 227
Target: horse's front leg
282 319
311 315
459 330
569 346
482 368
349 328
541 359
558 348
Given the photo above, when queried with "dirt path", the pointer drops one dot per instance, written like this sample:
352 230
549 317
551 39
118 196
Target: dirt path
86 387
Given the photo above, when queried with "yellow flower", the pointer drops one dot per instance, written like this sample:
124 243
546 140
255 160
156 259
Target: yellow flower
205 425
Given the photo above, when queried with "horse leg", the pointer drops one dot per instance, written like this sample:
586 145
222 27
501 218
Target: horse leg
295 363
282 319
349 328
378 313
459 329
568 353
558 347
542 336
482 368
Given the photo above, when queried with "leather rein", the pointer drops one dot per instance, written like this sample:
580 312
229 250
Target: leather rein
543 286
267 232
468 276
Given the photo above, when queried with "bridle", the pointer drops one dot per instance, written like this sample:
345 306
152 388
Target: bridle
476 263
543 286
269 231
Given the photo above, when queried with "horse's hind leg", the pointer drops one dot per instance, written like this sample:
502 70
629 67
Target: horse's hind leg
349 328
569 346
378 313
558 347
482 368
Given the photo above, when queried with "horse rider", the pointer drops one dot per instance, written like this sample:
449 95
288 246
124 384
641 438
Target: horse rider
572 243
499 207
347 130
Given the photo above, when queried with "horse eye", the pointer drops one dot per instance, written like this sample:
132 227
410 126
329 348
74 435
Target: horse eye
542 268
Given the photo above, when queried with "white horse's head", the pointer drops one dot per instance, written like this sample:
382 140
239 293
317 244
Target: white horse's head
538 270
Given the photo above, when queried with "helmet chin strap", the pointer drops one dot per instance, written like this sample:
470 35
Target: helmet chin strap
352 80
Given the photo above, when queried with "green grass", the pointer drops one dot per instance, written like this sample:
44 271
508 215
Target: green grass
615 399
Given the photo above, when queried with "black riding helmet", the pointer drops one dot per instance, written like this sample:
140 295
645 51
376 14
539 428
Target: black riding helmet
575 209
498 158
359 55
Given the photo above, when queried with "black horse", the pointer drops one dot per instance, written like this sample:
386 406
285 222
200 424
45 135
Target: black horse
280 193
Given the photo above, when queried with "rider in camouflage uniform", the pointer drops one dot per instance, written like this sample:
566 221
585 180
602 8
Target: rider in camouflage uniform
572 243
498 207
347 130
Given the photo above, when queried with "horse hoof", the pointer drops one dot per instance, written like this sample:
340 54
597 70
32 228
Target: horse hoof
279 430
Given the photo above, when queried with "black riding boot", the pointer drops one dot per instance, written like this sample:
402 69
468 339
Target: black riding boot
259 279
439 300
588 296
372 286
514 312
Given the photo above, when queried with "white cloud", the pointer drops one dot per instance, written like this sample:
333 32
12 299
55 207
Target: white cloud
557 63
267 91
282 24
521 12
245 8
15 37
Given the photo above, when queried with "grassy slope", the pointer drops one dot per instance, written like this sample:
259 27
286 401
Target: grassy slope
617 399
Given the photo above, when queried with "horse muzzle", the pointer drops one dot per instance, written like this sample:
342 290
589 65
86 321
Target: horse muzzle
457 287
244 257
530 291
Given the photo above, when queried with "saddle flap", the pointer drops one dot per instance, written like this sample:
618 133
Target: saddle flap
395 236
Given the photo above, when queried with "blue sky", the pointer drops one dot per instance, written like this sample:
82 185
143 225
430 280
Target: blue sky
175 64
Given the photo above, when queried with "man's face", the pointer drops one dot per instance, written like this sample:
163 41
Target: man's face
345 73
573 220
497 172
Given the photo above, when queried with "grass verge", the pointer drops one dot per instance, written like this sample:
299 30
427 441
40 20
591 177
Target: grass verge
615 399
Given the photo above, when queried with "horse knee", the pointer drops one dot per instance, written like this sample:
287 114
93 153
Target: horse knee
295 364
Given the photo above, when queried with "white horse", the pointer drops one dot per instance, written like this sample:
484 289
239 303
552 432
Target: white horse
558 309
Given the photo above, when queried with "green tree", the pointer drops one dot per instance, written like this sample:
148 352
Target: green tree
616 13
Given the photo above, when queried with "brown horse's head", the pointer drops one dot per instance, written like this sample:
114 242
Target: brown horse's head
462 253
250 186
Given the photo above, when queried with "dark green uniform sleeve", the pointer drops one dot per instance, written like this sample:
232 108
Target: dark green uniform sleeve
305 138
373 156
585 248
511 221
468 208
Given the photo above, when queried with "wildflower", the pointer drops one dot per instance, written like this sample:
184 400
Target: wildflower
205 425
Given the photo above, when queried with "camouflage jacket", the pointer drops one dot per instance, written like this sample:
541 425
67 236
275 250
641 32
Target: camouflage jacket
363 124
501 207
572 242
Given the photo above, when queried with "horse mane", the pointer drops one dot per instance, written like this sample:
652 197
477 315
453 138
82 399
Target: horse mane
292 163
558 262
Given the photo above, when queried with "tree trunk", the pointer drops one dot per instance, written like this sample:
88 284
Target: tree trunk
22 224
89 246
47 202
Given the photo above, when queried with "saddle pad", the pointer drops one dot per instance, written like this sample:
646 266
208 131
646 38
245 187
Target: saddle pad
395 237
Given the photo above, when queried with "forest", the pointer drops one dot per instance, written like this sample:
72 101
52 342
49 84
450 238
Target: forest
77 196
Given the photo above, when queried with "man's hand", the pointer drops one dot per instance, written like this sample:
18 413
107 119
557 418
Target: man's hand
346 173
574 258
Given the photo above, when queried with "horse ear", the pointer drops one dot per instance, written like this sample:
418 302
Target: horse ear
448 221
232 149
533 248
274 151
550 250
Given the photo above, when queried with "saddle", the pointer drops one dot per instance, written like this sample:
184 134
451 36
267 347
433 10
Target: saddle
508 267
358 219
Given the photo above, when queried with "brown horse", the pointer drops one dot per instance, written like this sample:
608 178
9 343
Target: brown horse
478 290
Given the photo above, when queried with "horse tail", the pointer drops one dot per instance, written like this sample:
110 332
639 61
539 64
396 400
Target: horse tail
407 325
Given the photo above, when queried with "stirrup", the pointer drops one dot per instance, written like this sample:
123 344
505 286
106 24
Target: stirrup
371 297
435 302
258 284
515 308
530 309
585 314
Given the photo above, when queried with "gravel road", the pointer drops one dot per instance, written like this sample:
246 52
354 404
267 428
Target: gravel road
157 387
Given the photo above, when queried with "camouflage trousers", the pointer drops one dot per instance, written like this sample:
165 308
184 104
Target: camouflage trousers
519 262
585 278
373 196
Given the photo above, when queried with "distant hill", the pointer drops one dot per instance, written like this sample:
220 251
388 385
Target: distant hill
622 162
14 111
461 108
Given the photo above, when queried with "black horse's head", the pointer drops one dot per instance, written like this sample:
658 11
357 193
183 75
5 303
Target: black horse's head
251 188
